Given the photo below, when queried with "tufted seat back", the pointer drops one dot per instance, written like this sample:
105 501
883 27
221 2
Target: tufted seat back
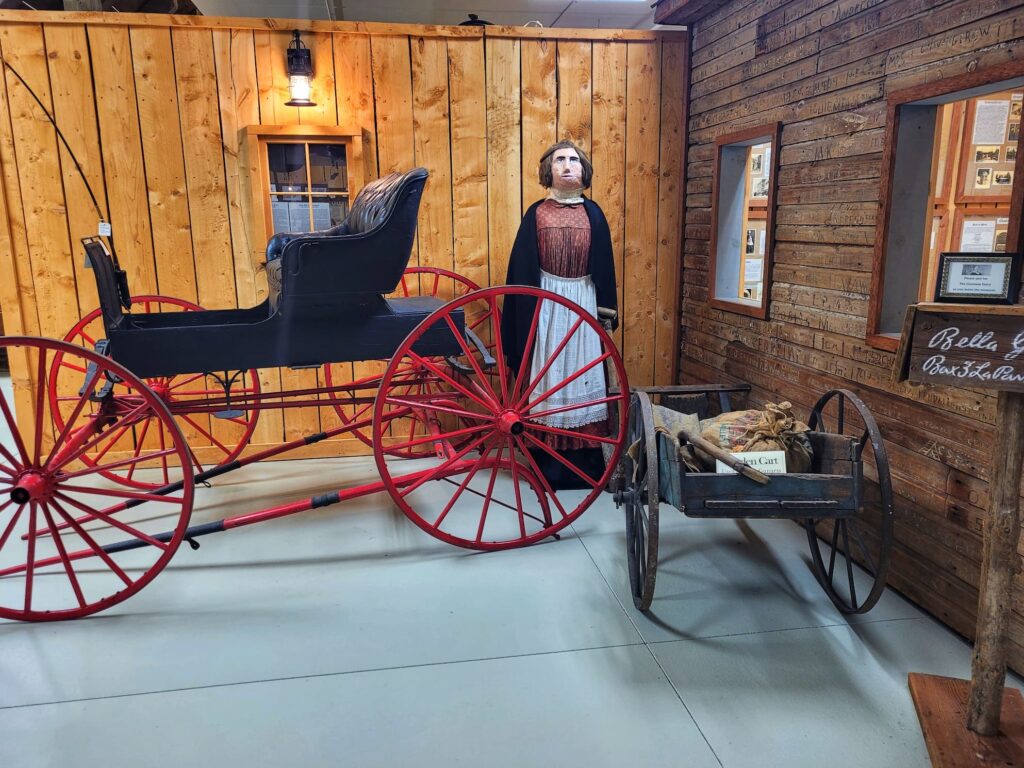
369 210
354 263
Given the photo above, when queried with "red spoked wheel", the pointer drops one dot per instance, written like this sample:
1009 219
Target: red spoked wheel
416 281
71 544
484 488
223 437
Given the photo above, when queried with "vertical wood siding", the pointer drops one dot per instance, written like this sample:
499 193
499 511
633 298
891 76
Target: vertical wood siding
823 69
153 108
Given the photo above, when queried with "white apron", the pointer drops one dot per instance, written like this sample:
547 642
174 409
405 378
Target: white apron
553 324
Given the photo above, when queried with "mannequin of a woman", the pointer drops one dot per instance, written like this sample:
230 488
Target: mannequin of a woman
564 246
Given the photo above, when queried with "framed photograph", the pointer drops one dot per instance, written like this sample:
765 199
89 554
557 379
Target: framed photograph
975 278
1002 178
983 178
1011 154
759 187
986 154
757 164
1014 132
1015 109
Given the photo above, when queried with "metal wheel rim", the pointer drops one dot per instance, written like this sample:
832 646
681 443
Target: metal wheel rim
365 435
847 530
641 523
230 452
58 476
492 295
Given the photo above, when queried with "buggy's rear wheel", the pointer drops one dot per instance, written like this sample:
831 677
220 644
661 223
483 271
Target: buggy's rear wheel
212 440
416 281
491 428
843 547
71 543
639 465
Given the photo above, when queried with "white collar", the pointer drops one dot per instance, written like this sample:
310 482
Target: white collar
566 197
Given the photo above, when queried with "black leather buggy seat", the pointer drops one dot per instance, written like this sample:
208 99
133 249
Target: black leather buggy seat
326 300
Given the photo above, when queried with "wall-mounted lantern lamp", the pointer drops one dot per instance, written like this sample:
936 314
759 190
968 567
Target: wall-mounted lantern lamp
300 70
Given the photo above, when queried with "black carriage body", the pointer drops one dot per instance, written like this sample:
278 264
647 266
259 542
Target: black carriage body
326 302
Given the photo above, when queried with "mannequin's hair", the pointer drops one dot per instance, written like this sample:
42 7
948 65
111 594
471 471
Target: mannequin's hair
545 176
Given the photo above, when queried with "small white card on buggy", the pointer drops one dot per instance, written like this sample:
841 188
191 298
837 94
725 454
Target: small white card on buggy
769 462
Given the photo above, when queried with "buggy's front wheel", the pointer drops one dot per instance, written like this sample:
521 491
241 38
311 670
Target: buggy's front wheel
71 541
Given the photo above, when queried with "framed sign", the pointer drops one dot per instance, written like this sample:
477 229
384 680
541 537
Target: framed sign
978 278
963 346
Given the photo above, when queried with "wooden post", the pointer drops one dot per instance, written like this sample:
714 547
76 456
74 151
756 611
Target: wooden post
977 723
988 667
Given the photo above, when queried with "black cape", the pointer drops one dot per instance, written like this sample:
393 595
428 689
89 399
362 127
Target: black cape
524 269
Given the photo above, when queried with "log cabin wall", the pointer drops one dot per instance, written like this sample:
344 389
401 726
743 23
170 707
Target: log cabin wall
824 70
153 107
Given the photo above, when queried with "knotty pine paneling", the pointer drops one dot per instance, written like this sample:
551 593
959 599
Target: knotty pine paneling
153 108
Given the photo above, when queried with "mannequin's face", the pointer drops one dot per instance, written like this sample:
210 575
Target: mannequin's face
566 170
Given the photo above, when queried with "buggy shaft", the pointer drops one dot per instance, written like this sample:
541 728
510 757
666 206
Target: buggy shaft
284 510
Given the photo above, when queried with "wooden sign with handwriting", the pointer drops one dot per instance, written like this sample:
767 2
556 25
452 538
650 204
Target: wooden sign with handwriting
983 351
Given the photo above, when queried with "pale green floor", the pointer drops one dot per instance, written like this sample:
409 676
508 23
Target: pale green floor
348 637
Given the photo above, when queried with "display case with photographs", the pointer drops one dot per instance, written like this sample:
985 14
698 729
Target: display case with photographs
760 175
980 230
989 147
974 166
752 263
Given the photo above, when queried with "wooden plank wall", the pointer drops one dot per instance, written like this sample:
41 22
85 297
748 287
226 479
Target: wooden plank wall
823 69
152 107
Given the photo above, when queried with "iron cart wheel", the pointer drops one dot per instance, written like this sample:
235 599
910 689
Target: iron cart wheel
640 499
483 488
416 281
71 542
222 438
865 538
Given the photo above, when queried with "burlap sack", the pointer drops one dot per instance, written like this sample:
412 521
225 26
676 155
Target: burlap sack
778 430
728 431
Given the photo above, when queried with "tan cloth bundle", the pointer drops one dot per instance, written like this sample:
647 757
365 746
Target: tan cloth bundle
772 429
778 430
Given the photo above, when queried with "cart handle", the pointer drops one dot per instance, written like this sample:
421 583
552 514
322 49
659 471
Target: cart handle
725 457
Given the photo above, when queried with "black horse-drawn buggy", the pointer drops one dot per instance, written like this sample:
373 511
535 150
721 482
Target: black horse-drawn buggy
149 396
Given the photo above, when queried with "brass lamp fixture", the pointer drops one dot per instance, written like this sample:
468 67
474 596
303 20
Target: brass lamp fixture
300 72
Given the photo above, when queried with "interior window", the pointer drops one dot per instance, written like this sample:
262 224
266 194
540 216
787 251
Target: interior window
308 185
952 171
742 210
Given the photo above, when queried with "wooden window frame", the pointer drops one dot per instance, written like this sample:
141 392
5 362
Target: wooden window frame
740 306
254 141
988 76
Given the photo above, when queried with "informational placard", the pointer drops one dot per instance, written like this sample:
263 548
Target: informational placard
990 122
970 279
968 350
978 236
768 462
753 269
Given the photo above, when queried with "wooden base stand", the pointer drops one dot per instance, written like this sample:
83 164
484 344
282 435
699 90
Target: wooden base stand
941 704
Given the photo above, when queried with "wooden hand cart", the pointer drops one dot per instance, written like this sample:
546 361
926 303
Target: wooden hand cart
849 522
134 409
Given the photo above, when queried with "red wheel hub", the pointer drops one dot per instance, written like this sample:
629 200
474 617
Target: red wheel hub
31 486
509 423
161 389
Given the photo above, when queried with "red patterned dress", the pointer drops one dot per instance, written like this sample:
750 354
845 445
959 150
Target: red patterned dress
563 244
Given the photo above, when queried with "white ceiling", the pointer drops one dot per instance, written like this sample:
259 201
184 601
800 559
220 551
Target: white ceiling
619 14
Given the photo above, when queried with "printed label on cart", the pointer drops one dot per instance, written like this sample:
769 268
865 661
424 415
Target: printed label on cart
769 462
